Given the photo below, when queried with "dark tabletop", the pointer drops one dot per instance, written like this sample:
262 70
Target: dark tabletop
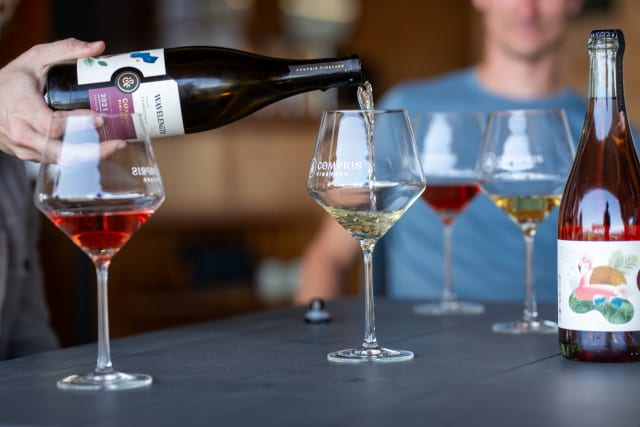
270 369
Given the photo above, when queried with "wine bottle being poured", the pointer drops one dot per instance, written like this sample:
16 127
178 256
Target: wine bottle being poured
190 89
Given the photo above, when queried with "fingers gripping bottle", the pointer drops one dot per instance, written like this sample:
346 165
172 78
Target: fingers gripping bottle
599 222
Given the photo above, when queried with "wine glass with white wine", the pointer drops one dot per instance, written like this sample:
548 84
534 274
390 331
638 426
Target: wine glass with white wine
365 172
525 160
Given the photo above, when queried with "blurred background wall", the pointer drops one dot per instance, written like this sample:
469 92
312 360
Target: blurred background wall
237 215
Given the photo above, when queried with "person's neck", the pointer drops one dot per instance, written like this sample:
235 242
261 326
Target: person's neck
518 78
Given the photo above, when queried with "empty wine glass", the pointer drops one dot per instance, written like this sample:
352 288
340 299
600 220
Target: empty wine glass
525 161
99 182
365 173
448 145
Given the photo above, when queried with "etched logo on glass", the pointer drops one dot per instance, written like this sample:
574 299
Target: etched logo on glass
516 154
437 156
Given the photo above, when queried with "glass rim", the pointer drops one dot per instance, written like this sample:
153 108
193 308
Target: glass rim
360 111
451 112
527 110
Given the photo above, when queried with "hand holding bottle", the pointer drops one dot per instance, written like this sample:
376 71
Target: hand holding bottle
24 116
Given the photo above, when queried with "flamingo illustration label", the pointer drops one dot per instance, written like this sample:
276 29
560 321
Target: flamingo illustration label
598 285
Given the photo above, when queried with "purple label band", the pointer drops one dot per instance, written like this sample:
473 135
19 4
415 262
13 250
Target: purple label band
110 100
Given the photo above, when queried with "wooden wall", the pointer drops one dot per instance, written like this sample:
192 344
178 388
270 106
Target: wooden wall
31 25
621 14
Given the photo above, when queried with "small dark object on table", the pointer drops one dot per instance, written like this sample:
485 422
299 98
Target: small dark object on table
316 312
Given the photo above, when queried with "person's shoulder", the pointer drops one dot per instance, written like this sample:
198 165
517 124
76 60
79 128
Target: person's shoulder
437 83
410 91
574 106
573 101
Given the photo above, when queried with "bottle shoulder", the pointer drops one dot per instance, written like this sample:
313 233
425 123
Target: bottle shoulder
603 187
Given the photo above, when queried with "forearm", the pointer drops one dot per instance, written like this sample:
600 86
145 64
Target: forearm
326 262
319 279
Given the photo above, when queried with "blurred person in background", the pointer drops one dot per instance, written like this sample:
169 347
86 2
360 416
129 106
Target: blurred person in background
519 69
24 119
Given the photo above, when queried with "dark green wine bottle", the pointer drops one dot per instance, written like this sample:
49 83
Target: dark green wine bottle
190 89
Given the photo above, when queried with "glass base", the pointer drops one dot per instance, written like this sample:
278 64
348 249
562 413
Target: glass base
526 327
110 381
443 308
376 354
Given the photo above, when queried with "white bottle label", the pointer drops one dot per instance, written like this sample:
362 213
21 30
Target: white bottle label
157 101
598 285
100 69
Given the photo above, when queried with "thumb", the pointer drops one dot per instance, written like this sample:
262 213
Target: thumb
63 50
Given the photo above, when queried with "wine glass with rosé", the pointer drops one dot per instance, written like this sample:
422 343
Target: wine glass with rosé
526 158
365 173
449 144
98 182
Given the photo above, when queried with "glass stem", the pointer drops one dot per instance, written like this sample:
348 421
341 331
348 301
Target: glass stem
103 365
530 305
369 316
447 292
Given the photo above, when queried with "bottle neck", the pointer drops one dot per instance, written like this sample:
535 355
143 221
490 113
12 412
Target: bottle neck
606 115
334 72
605 78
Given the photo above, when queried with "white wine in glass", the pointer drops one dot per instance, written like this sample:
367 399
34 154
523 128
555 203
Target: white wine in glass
526 158
99 182
365 173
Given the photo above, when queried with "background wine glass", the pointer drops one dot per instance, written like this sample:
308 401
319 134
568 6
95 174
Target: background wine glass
99 182
365 173
448 145
525 161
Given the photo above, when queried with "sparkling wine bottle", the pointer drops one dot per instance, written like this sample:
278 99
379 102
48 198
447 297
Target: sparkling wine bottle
190 89
598 222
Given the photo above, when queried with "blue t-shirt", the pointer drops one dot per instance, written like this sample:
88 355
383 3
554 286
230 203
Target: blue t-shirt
488 248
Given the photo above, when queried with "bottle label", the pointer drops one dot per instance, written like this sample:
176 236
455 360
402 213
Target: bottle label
158 102
598 285
100 69
325 67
